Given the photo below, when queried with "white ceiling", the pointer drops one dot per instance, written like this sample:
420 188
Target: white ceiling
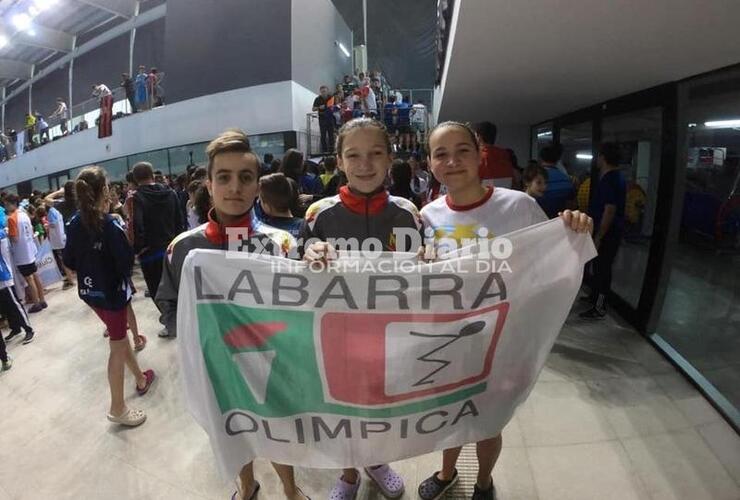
524 61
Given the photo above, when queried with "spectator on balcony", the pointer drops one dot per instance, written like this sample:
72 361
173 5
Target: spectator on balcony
62 114
375 86
128 86
30 130
43 128
323 105
348 85
384 85
156 93
103 93
13 138
418 119
142 96
4 147
369 101
101 90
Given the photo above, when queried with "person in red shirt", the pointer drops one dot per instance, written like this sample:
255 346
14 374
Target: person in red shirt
496 164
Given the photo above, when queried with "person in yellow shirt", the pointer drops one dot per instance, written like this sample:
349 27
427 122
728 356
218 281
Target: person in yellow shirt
330 167
30 128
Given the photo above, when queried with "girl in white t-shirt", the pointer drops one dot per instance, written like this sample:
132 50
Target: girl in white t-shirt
470 210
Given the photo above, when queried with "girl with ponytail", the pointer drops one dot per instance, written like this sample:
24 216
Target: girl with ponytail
98 250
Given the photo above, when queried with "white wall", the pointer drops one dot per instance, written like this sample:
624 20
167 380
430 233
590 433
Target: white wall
516 137
261 109
316 60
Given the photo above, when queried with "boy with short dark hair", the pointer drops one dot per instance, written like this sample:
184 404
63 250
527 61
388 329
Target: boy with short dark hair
277 195
233 170
155 219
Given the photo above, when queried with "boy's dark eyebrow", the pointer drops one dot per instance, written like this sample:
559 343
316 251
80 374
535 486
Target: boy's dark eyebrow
378 145
229 170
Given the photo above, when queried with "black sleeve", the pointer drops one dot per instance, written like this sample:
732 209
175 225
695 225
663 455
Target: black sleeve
121 253
68 254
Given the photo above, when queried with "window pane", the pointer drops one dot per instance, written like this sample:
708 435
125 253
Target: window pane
577 154
701 313
40 184
268 143
182 156
541 137
116 169
158 159
639 138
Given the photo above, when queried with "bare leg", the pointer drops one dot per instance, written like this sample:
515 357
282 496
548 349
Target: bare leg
68 274
131 319
350 476
39 287
449 459
133 364
287 476
488 452
116 362
245 486
32 291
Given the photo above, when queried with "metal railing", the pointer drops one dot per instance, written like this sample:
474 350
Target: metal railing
310 142
89 111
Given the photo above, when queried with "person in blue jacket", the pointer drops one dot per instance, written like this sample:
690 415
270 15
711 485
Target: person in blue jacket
98 250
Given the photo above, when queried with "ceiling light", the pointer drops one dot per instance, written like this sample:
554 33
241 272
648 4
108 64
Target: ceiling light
735 122
31 32
692 125
33 11
22 21
3 41
343 49
42 5
585 156
544 134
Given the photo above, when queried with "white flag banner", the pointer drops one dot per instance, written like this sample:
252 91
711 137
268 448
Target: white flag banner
371 360
46 265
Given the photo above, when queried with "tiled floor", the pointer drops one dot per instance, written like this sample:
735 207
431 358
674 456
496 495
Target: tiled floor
608 418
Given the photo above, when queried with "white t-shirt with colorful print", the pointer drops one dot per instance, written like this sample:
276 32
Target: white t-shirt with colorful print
500 211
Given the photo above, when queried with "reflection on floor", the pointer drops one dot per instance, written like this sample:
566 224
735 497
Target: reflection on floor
701 315
608 418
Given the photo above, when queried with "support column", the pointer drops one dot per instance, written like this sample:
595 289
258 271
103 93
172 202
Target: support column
30 90
132 42
70 82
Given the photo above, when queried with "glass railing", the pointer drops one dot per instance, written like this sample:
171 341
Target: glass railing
89 112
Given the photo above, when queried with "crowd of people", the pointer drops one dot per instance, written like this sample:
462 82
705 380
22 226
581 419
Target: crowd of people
370 96
143 92
463 179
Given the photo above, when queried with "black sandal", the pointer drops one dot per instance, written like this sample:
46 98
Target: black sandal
433 488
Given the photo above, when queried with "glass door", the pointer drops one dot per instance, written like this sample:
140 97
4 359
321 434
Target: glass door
700 317
638 135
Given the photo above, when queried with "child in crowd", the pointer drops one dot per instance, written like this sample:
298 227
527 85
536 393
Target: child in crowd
277 195
24 250
454 158
10 306
535 181
98 250
233 170
362 209
330 170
